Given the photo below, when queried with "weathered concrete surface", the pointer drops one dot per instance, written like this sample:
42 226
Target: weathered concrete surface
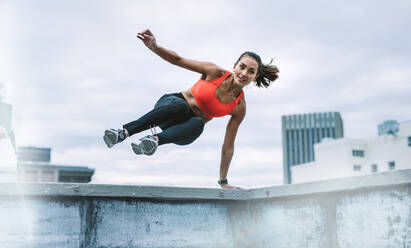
84 222
368 211
28 222
382 218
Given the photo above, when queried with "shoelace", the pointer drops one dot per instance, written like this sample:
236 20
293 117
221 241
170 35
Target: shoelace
153 130
121 135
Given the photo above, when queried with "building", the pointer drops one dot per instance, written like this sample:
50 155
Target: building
388 127
34 166
32 163
5 119
353 157
300 133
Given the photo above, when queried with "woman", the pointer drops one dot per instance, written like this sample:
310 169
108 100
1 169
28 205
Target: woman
182 116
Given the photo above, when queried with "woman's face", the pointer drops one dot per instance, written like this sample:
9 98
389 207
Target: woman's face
245 71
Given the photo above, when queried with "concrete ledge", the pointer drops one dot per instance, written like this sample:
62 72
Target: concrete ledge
386 179
364 211
372 181
119 191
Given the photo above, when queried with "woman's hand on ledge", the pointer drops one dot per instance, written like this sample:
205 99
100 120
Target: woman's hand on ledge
228 186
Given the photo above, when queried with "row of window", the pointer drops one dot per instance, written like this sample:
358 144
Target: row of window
360 153
50 176
293 145
374 167
74 179
306 138
311 120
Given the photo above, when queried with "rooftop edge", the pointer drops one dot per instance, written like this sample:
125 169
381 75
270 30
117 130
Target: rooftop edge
385 179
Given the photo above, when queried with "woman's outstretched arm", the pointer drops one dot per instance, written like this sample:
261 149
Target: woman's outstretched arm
205 68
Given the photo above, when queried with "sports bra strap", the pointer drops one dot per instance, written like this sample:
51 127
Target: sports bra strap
223 77
238 99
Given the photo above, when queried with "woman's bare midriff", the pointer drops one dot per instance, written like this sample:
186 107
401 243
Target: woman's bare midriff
188 96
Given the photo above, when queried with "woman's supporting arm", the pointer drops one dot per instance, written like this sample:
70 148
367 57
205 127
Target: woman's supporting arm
227 150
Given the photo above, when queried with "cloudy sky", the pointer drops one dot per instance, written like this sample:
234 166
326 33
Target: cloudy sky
75 68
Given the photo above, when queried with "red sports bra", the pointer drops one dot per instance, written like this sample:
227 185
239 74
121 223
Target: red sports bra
205 94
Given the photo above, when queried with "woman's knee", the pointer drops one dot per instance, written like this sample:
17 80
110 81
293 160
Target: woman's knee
196 125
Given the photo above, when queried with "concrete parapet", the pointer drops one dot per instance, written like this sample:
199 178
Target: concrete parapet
365 211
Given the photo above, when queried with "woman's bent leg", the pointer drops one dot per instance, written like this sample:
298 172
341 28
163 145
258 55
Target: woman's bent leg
182 133
169 107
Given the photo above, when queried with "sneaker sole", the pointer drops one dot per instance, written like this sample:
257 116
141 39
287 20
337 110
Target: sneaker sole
148 147
136 149
108 142
110 138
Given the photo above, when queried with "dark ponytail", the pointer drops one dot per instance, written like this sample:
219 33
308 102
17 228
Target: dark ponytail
266 74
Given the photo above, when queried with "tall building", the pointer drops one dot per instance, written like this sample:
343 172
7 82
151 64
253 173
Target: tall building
300 133
354 157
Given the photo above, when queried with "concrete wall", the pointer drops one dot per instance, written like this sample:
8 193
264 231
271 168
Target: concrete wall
367 211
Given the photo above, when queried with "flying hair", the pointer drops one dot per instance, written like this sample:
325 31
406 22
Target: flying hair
266 73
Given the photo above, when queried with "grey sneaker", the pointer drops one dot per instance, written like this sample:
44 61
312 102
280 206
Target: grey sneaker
112 137
146 145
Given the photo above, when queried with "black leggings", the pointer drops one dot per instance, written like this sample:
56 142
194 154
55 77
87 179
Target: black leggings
173 115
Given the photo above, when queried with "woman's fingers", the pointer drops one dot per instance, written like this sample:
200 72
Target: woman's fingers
148 38
144 36
142 32
147 31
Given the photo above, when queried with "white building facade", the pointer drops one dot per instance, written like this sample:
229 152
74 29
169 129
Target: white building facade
347 157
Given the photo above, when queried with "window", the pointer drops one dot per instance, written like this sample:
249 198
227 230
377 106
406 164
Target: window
288 148
409 140
357 167
318 135
358 153
297 159
391 165
374 168
303 144
74 179
292 148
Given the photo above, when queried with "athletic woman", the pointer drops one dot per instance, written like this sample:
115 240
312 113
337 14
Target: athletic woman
182 116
